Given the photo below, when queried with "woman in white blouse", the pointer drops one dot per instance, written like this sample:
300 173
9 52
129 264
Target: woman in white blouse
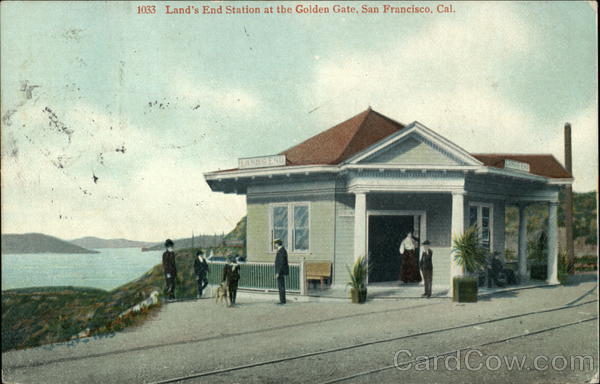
409 270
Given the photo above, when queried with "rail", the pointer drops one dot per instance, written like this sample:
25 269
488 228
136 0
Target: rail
261 276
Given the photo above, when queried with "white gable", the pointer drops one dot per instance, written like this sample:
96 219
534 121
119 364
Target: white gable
415 145
413 150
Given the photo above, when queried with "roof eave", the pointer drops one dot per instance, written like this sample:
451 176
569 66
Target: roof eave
523 175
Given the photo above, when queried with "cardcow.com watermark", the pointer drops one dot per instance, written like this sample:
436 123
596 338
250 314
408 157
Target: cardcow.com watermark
475 360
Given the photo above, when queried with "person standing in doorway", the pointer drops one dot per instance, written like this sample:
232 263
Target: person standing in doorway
426 265
170 269
201 271
409 271
281 269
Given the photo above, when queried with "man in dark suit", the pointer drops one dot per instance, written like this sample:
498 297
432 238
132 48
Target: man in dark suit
168 260
282 269
426 265
201 270
231 277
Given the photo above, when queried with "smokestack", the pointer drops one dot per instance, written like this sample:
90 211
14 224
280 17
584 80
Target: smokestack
568 159
568 207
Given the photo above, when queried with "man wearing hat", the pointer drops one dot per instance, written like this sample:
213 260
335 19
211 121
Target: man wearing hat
231 277
426 266
168 260
282 269
201 270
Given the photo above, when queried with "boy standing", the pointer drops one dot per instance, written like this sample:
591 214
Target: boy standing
170 269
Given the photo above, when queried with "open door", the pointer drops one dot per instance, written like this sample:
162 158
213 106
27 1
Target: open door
385 235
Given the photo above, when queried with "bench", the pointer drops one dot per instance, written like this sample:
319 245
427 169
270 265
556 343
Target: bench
318 271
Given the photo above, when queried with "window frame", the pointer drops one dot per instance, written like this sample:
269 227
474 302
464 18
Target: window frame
290 227
480 207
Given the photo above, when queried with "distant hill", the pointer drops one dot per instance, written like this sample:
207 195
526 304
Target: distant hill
91 242
200 241
38 243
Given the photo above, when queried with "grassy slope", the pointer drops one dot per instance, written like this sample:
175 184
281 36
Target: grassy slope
37 316
43 315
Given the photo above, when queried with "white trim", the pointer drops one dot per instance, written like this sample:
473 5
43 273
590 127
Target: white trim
511 173
290 216
387 166
560 181
307 170
301 169
427 188
425 132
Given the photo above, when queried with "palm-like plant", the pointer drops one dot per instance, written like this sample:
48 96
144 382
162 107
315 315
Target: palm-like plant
358 274
468 252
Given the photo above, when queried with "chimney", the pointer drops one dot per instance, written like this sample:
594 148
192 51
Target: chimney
568 160
568 207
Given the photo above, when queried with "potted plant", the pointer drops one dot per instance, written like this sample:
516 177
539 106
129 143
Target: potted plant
537 257
358 281
471 257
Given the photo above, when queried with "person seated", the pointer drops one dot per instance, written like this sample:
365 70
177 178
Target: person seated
499 274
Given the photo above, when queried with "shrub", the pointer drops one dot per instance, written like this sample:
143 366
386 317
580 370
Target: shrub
563 266
358 274
468 252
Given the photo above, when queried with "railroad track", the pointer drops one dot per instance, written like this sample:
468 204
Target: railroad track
282 360
210 338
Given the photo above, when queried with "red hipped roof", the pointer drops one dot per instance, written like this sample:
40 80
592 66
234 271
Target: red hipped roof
354 135
343 140
541 164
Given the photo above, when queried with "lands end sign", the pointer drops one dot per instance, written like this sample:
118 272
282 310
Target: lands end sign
262 161
518 165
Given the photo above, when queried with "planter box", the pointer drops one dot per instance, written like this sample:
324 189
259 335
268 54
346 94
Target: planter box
358 296
539 272
465 289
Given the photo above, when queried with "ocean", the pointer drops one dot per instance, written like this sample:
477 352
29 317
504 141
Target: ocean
108 269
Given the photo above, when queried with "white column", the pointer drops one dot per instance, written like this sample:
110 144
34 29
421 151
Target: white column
552 277
523 243
457 229
360 225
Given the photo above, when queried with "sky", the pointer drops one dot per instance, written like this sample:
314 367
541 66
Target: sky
110 118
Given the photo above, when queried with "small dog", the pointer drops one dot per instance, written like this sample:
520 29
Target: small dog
222 294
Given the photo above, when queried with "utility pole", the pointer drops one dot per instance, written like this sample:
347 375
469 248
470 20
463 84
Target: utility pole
568 207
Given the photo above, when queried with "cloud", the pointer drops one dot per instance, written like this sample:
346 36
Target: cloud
448 75
229 99
145 192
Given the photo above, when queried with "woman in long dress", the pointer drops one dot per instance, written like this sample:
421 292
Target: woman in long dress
409 271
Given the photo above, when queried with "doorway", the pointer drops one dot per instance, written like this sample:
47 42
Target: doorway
386 232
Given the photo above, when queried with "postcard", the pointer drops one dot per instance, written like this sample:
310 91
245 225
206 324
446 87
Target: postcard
299 192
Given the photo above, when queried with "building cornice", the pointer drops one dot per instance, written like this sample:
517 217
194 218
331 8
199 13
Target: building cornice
247 175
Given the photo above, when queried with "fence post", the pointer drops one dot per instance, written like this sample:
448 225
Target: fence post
302 277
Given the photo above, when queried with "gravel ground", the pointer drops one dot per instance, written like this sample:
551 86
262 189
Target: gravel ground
200 336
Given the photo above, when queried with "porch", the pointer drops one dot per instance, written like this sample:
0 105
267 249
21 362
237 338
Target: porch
440 217
394 291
